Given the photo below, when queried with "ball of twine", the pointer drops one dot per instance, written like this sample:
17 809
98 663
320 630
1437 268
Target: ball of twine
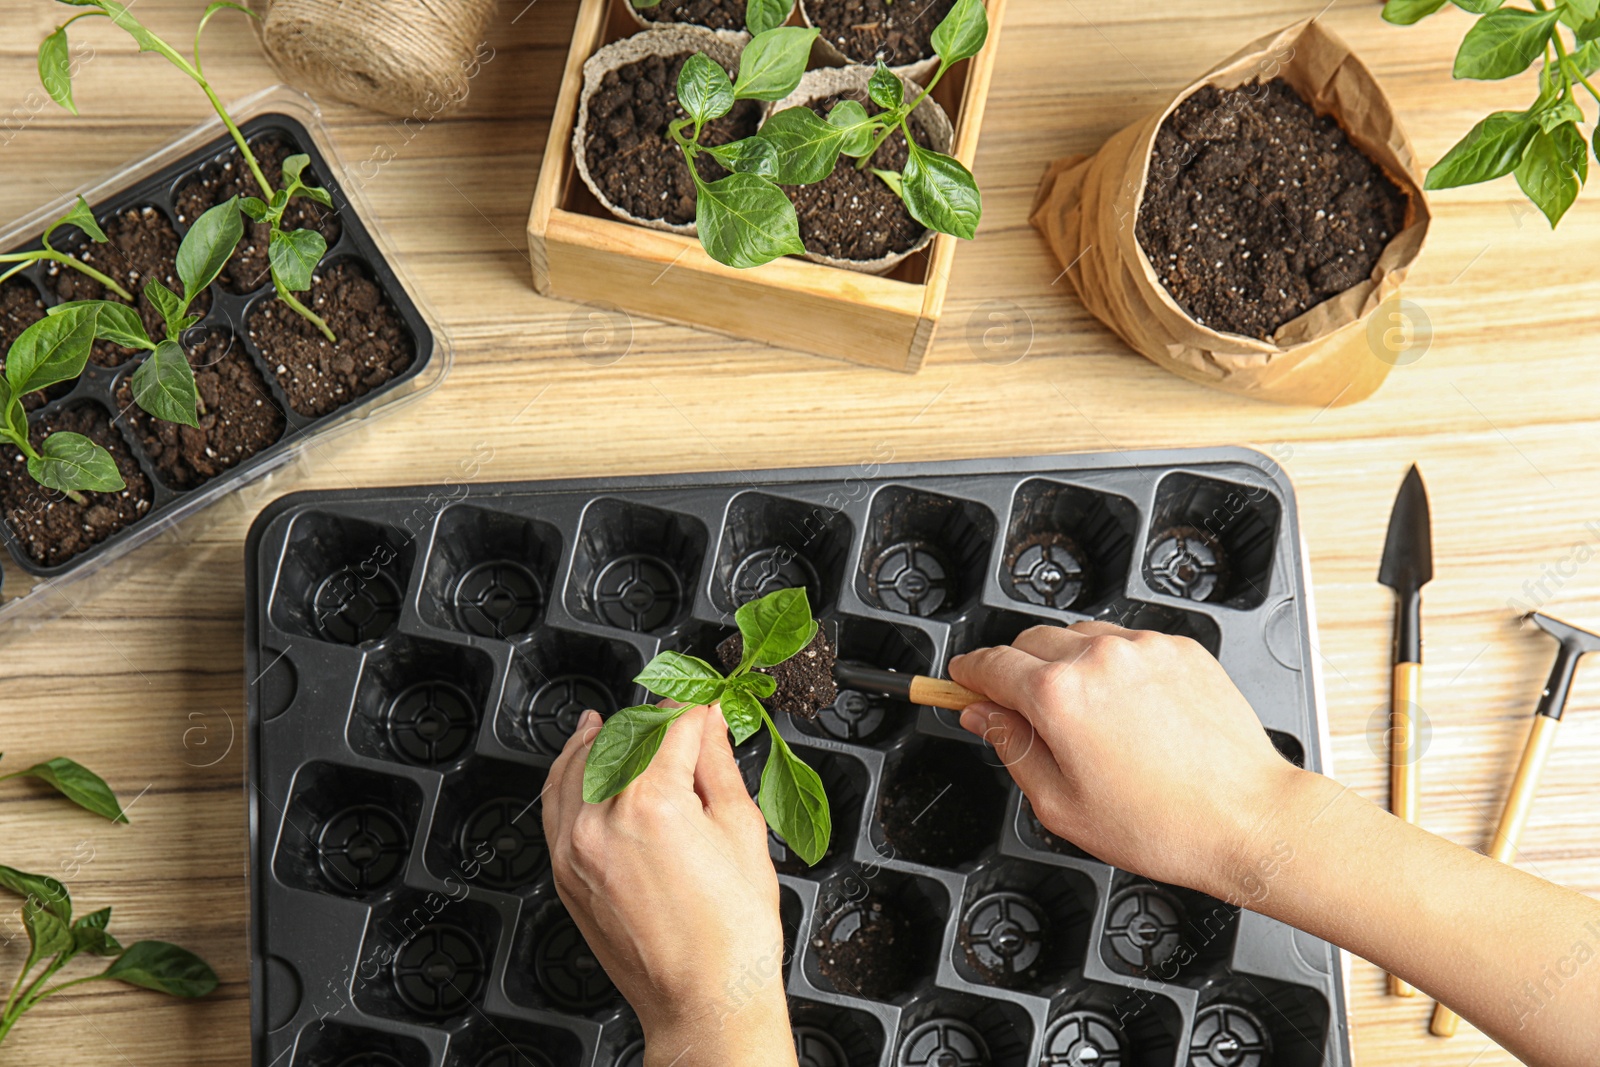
402 57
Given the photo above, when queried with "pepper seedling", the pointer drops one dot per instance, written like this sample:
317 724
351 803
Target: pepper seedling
56 349
745 219
292 255
55 938
772 628
1542 145
80 216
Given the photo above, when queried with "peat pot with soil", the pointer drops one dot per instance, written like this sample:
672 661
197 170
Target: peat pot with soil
928 918
1252 234
813 207
186 326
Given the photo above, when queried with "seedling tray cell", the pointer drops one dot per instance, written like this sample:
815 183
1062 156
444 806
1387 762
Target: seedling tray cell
417 666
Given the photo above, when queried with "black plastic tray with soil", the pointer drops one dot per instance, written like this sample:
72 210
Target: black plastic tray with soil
267 378
402 899
1257 209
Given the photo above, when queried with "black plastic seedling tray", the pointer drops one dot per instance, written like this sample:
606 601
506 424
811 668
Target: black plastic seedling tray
418 656
230 313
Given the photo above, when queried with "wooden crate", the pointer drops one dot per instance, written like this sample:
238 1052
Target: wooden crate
582 252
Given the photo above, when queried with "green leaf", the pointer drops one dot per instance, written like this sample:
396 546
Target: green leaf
207 246
679 677
13 418
893 180
80 785
320 195
775 627
642 4
294 257
37 891
164 968
1588 57
623 748
71 462
1478 7
52 350
704 90
1549 174
756 684
170 304
772 63
147 41
255 207
1491 149
763 15
1504 43
743 714
294 166
89 934
752 155
55 68
80 216
114 322
164 385
1560 112
1589 31
793 800
858 127
885 89
48 935
940 193
1407 12
962 33
807 145
745 221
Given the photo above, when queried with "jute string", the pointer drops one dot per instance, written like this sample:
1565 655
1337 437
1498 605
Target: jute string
402 57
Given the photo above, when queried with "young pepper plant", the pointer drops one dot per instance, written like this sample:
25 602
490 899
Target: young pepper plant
80 216
56 349
1542 145
292 255
773 628
55 938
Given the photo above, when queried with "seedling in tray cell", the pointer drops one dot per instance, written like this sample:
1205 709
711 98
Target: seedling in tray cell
745 219
77 215
293 254
772 630
56 348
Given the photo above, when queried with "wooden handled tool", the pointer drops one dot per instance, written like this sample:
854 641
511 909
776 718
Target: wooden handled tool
916 688
1541 739
1407 566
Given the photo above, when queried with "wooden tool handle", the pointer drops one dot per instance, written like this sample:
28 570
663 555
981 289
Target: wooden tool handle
941 693
1503 846
1403 754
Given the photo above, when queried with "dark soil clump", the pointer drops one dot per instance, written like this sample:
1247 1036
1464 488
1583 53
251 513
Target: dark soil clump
20 307
943 808
898 31
49 527
373 343
853 214
712 14
247 269
140 245
1257 209
239 420
626 145
865 950
805 680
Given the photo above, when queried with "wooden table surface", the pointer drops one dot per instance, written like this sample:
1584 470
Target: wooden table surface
1502 411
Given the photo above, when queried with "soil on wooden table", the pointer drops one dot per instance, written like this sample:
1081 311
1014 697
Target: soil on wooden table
240 417
626 145
141 244
942 809
865 949
21 307
318 377
51 528
898 31
247 269
1257 209
805 680
852 213
712 14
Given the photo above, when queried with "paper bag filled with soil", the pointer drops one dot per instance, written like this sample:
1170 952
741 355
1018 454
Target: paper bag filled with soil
1089 211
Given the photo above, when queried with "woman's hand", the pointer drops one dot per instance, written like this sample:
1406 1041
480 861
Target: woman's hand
1133 745
673 887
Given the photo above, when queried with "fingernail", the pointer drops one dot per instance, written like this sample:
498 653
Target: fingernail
972 722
